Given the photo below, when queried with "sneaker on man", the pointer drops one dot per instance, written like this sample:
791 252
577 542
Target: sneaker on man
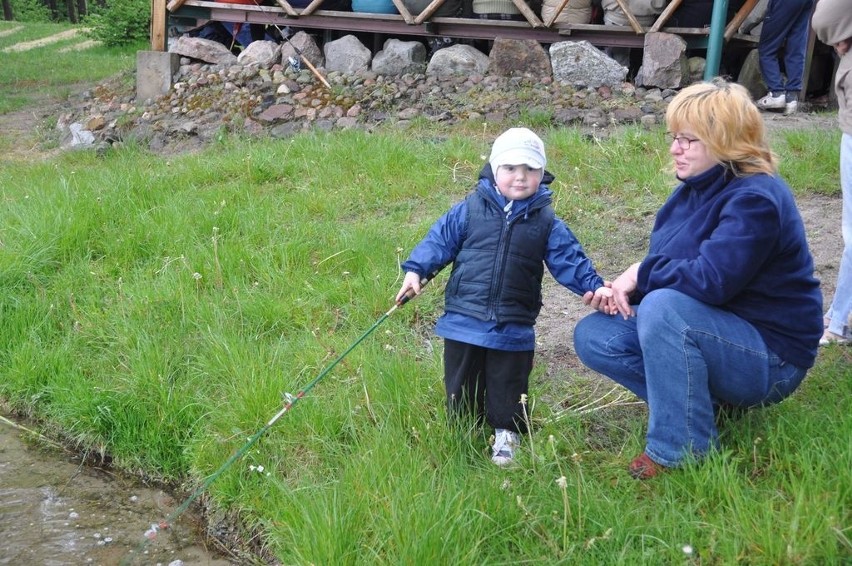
829 337
505 443
790 107
772 101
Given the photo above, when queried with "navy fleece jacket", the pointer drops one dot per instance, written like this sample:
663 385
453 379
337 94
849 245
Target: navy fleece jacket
739 243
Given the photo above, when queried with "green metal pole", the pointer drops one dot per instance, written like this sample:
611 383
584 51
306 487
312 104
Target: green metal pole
716 39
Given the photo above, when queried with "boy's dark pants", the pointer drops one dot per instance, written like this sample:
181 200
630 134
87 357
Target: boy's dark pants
487 383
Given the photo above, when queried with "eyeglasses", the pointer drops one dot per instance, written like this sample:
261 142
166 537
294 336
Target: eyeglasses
683 142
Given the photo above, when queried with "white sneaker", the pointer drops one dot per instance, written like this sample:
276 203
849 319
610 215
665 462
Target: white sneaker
829 337
772 101
790 107
505 443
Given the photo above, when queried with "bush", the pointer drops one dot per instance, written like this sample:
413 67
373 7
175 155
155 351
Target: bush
32 11
120 22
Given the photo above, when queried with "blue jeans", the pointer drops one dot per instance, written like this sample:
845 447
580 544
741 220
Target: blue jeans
786 25
685 358
841 306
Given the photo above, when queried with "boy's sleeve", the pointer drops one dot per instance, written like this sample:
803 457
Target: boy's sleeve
567 262
441 244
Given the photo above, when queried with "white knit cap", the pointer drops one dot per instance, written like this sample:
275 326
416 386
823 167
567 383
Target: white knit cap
518 146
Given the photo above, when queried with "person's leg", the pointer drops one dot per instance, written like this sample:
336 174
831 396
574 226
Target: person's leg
796 47
841 306
609 345
776 24
698 356
507 376
464 379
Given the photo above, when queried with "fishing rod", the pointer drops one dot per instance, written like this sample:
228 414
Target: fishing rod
301 55
291 401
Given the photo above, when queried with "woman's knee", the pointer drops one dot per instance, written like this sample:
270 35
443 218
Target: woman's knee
584 336
666 309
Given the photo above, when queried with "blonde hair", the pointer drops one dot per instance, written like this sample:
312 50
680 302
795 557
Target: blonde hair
724 117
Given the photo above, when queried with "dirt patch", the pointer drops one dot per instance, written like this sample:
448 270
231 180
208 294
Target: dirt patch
62 36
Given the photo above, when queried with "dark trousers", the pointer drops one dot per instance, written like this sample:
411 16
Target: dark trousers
487 383
787 24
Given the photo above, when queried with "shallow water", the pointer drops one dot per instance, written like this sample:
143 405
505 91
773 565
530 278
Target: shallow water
54 511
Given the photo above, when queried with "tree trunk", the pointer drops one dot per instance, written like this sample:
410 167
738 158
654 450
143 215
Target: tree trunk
7 10
72 11
82 9
51 5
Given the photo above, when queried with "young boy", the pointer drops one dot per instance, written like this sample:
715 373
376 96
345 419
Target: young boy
499 239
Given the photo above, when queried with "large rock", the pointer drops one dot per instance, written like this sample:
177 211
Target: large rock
518 57
664 62
579 63
751 77
347 55
262 54
458 60
205 50
306 46
400 57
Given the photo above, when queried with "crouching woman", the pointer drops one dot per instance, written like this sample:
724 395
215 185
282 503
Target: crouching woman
724 311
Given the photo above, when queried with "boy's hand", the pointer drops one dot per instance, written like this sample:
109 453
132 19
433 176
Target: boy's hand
410 285
602 300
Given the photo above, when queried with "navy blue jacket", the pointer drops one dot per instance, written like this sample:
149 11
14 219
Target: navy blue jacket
739 243
497 272
563 256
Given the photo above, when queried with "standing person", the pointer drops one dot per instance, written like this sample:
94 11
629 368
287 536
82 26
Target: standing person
724 311
832 23
785 26
499 238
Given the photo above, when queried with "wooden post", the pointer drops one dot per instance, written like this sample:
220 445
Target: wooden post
738 18
664 17
158 25
555 14
634 23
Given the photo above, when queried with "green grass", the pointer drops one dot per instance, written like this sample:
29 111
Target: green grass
51 71
162 310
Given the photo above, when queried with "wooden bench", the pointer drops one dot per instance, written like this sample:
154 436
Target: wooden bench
418 25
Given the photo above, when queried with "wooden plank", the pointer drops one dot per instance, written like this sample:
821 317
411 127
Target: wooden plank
634 23
735 23
403 11
174 5
809 54
428 11
159 15
311 8
287 7
664 17
528 13
555 14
